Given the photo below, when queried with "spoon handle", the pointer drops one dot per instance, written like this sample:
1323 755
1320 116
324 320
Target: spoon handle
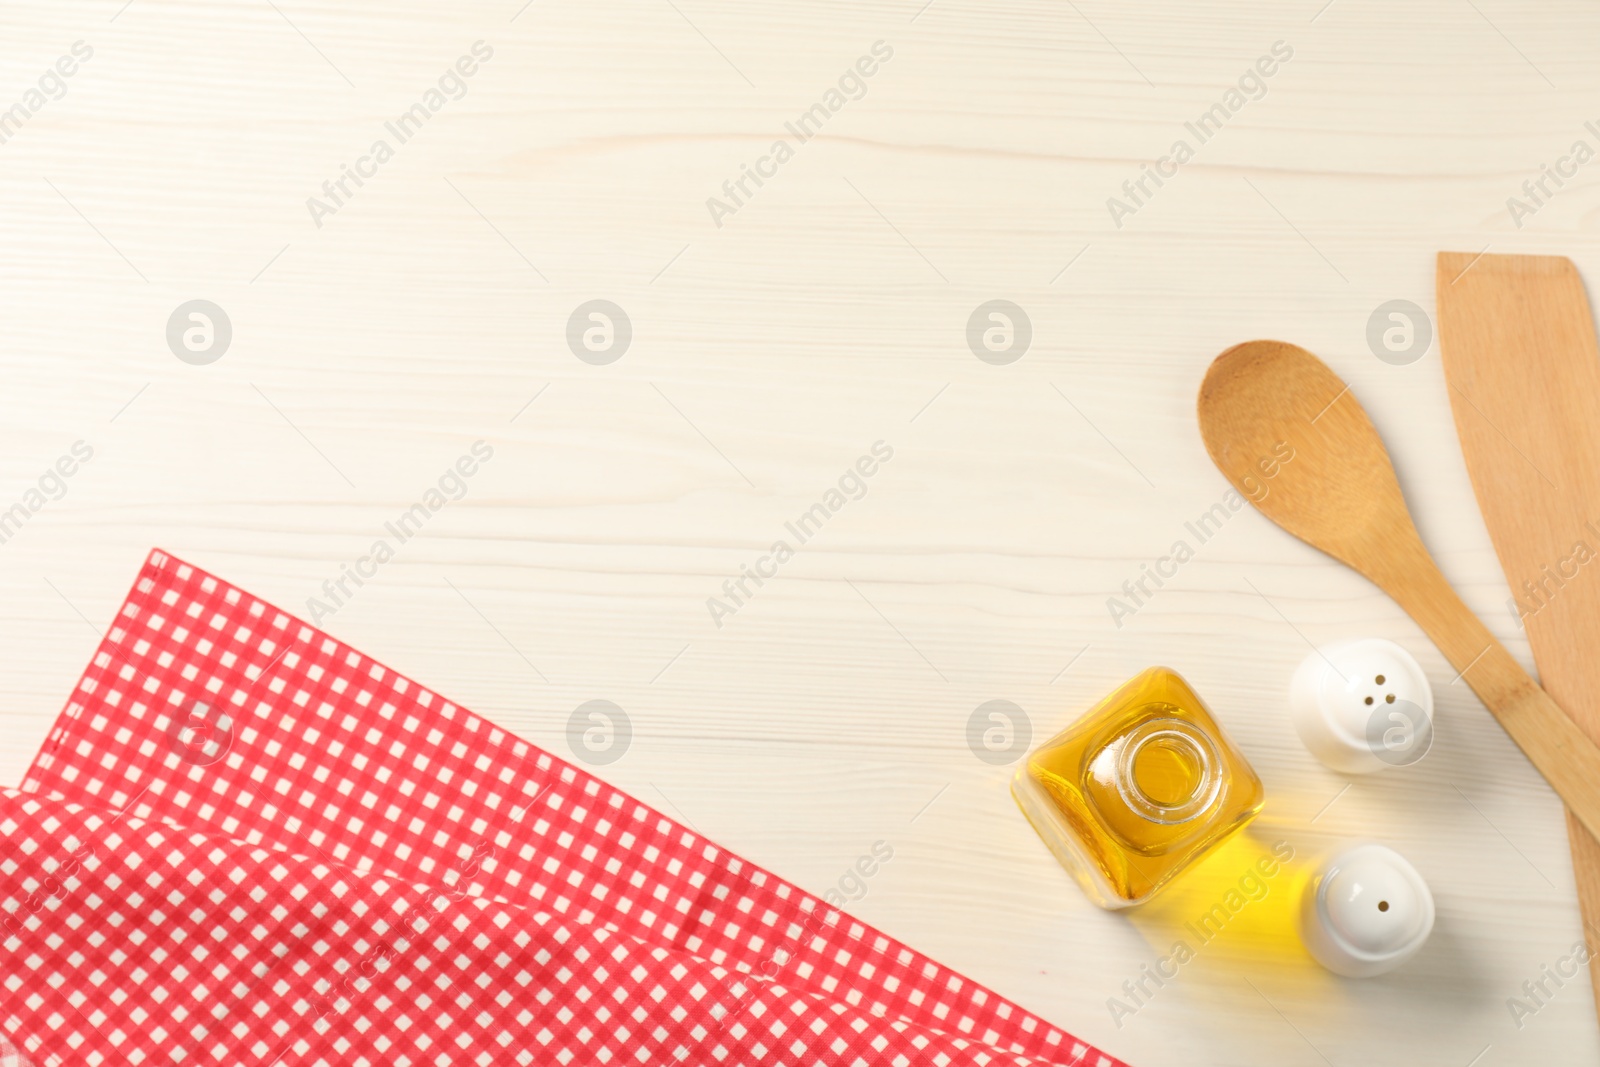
1553 743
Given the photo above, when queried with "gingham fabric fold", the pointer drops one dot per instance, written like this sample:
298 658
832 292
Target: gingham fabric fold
209 709
138 942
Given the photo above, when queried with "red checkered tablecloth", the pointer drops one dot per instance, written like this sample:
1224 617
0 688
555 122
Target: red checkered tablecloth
580 925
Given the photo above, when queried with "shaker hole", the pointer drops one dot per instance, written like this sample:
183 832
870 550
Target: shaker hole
1389 699
1369 700
1379 679
1383 905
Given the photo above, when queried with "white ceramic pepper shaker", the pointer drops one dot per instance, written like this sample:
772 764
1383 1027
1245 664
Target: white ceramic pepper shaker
1365 911
1362 705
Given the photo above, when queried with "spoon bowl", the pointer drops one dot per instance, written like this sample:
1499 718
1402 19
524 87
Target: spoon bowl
1339 491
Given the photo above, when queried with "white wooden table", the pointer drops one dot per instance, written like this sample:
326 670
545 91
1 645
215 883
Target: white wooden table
827 311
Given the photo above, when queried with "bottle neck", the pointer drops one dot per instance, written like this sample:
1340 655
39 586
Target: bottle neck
1168 771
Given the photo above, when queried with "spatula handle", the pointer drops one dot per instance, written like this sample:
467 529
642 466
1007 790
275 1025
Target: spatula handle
1553 743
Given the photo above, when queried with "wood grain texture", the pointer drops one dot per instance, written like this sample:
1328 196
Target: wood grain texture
1517 342
818 319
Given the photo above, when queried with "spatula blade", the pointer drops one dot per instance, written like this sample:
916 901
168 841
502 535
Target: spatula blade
1517 340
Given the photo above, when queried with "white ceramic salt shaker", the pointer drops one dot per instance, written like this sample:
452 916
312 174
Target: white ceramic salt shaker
1362 705
1365 911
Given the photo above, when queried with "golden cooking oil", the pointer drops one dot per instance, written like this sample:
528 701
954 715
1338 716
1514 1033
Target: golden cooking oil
1138 789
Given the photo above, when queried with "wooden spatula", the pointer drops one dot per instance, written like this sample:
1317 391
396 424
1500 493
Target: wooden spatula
1518 345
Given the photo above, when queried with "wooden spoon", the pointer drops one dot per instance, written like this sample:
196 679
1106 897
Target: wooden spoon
1340 495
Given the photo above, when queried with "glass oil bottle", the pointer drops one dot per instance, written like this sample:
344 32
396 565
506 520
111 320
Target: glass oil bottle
1138 789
